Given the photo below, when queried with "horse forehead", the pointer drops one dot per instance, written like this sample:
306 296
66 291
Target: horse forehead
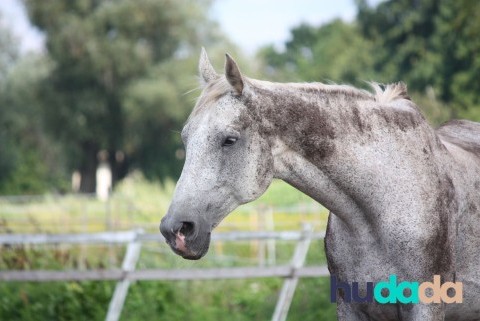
221 112
225 106
197 132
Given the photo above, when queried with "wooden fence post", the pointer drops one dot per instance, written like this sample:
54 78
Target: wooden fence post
271 243
121 289
290 283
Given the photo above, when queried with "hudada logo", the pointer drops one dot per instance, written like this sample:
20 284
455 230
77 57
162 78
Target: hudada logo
403 292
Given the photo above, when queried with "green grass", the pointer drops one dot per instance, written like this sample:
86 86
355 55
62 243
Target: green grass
237 300
137 202
210 300
140 203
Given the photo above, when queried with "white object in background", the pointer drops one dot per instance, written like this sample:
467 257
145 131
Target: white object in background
76 180
104 181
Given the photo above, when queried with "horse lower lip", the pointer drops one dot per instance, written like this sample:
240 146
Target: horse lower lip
192 257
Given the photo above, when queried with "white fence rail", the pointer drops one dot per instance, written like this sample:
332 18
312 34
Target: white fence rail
128 236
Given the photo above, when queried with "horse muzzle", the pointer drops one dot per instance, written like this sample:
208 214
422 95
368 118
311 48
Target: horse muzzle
186 237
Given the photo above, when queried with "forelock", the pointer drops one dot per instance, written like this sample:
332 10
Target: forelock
211 93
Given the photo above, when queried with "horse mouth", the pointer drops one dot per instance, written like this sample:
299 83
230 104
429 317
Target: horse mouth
190 249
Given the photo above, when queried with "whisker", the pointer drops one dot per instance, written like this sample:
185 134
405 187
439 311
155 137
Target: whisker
191 90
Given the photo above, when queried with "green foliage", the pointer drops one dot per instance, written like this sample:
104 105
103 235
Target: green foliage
334 52
155 108
140 202
115 75
206 300
311 301
119 73
401 32
28 175
8 150
29 160
8 154
240 300
428 44
54 301
249 299
431 45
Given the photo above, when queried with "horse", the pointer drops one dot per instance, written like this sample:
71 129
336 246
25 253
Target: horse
404 198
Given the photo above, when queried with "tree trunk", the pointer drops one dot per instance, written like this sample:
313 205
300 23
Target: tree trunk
118 164
88 168
116 158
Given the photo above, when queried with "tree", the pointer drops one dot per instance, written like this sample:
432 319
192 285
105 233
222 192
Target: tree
458 40
427 44
156 108
8 152
431 45
333 52
28 158
103 54
38 160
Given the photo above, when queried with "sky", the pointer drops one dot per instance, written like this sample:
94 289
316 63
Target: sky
248 23
255 23
12 14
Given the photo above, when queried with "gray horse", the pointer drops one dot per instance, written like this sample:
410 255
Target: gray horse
404 198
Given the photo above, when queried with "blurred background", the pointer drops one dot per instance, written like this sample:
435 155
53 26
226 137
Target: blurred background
84 82
93 96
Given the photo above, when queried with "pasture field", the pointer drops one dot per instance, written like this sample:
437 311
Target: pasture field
139 203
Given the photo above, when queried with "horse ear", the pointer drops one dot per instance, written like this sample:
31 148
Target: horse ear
205 68
233 75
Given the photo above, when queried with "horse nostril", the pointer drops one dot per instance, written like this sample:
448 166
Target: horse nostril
187 228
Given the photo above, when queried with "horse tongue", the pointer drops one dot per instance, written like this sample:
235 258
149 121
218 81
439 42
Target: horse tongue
180 242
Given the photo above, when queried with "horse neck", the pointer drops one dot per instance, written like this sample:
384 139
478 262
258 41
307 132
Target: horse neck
339 146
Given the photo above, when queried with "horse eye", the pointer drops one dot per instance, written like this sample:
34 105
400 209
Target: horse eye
229 141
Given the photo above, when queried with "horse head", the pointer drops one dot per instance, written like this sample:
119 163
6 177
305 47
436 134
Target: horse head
228 161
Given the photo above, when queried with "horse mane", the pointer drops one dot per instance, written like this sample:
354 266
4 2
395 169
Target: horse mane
390 92
463 133
316 87
210 93
381 93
